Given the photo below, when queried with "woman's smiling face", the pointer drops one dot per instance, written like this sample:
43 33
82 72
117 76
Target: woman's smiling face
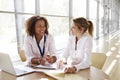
40 27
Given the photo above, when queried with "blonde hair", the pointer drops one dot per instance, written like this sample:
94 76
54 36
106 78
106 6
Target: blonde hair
87 25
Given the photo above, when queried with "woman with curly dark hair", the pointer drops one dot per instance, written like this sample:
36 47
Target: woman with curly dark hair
39 44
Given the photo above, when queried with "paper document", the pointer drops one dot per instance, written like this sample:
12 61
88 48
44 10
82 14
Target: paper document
46 66
60 75
57 74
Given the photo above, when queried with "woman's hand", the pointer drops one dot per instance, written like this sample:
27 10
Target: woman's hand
35 61
70 70
51 59
41 61
38 61
60 64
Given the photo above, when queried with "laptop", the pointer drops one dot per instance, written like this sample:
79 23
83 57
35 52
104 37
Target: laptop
7 66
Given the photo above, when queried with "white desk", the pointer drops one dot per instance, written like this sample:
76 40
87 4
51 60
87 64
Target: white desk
87 74
91 73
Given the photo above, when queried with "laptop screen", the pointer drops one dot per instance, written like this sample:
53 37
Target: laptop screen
7 65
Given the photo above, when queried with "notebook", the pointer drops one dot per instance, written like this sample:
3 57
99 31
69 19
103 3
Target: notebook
7 66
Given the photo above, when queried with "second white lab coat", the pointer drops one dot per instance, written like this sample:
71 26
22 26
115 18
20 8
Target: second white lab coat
81 57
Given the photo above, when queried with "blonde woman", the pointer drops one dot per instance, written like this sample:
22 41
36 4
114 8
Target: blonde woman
78 53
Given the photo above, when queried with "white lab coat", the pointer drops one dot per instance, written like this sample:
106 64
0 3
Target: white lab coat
81 57
32 50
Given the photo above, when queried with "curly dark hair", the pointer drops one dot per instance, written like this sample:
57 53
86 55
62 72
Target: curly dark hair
30 24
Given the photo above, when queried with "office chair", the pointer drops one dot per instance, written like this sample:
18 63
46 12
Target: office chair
98 60
22 55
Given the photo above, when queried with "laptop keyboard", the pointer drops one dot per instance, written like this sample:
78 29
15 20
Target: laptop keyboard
18 71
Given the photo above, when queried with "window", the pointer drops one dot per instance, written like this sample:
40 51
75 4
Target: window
7 5
54 7
101 19
93 15
29 6
79 8
8 40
